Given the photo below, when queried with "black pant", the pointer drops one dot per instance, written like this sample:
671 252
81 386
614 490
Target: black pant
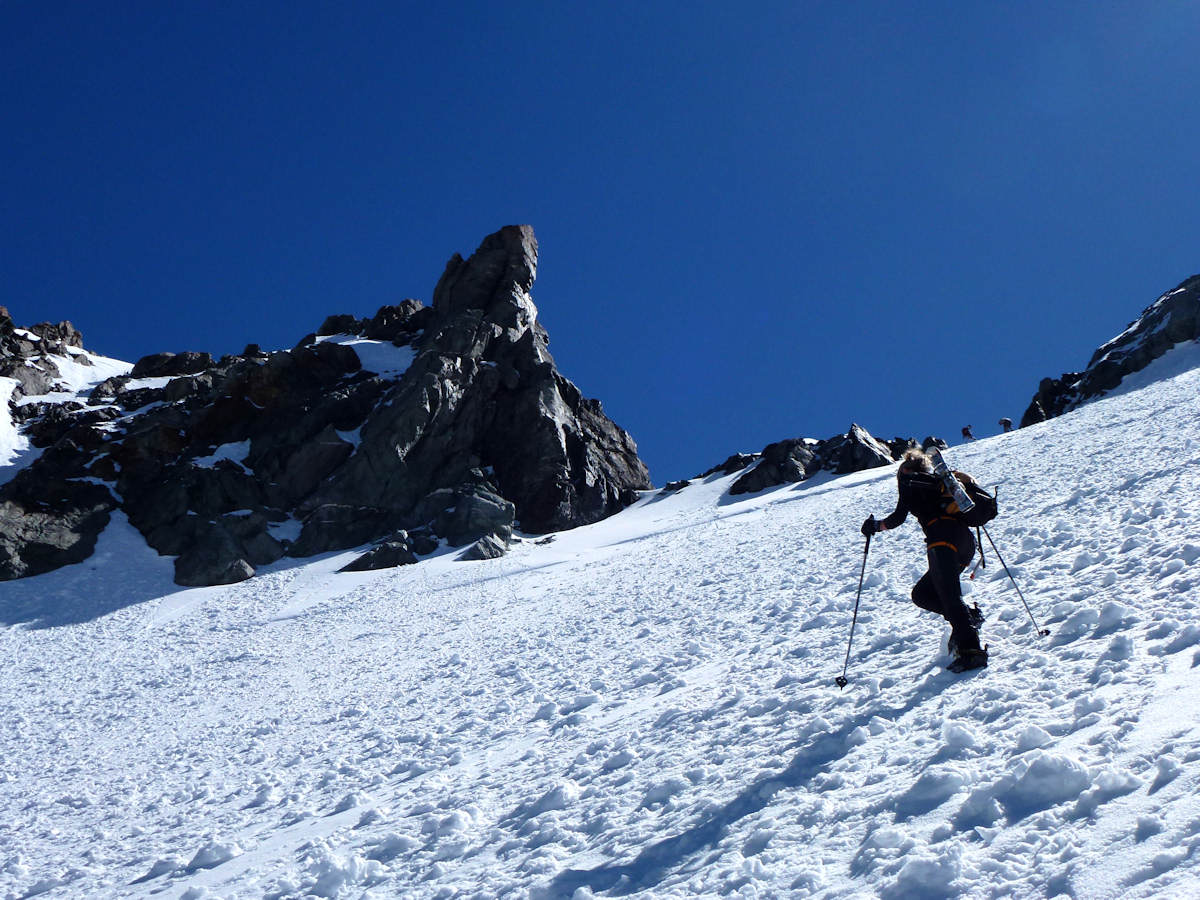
950 547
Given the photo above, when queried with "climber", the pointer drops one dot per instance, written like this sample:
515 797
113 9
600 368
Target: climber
949 546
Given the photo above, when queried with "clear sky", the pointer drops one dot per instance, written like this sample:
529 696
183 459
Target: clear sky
756 221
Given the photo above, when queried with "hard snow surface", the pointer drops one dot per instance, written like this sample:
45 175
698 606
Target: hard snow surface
644 707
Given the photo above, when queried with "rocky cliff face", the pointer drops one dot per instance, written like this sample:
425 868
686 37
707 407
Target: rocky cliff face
420 424
1172 319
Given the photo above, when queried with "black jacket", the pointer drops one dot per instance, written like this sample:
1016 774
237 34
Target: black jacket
925 497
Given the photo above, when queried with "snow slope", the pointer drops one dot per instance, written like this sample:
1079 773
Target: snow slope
644 707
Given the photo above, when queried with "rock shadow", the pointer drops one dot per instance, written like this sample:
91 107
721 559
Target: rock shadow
122 572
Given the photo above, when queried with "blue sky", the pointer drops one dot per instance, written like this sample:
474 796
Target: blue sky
754 223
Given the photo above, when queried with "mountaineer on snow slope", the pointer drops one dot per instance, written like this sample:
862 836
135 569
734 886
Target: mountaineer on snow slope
949 546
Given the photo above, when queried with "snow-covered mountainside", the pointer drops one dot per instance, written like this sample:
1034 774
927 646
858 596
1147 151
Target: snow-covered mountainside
644 706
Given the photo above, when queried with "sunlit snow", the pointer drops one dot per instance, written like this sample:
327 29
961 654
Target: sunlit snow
380 357
236 453
12 442
643 707
77 377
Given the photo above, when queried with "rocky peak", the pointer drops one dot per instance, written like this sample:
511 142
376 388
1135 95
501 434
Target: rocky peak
423 424
798 459
497 278
1171 319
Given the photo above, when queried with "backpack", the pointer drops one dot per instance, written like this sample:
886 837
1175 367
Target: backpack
928 496
985 508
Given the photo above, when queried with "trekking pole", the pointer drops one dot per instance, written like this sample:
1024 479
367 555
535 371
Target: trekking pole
982 564
841 681
1040 630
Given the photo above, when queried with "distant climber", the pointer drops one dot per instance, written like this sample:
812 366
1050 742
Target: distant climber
966 433
1006 424
949 546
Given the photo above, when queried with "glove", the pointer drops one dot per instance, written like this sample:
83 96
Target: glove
869 526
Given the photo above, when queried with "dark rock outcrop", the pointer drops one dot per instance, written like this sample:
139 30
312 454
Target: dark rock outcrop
386 555
490 546
780 463
400 548
212 556
853 451
50 516
60 527
27 355
483 394
160 365
448 421
1173 318
734 463
798 459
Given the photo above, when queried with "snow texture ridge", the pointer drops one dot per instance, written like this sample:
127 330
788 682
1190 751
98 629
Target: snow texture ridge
643 706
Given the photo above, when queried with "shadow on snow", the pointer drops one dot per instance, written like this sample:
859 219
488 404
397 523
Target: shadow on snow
658 860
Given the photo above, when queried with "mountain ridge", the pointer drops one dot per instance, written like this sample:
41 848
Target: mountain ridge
417 426
1172 319
231 464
